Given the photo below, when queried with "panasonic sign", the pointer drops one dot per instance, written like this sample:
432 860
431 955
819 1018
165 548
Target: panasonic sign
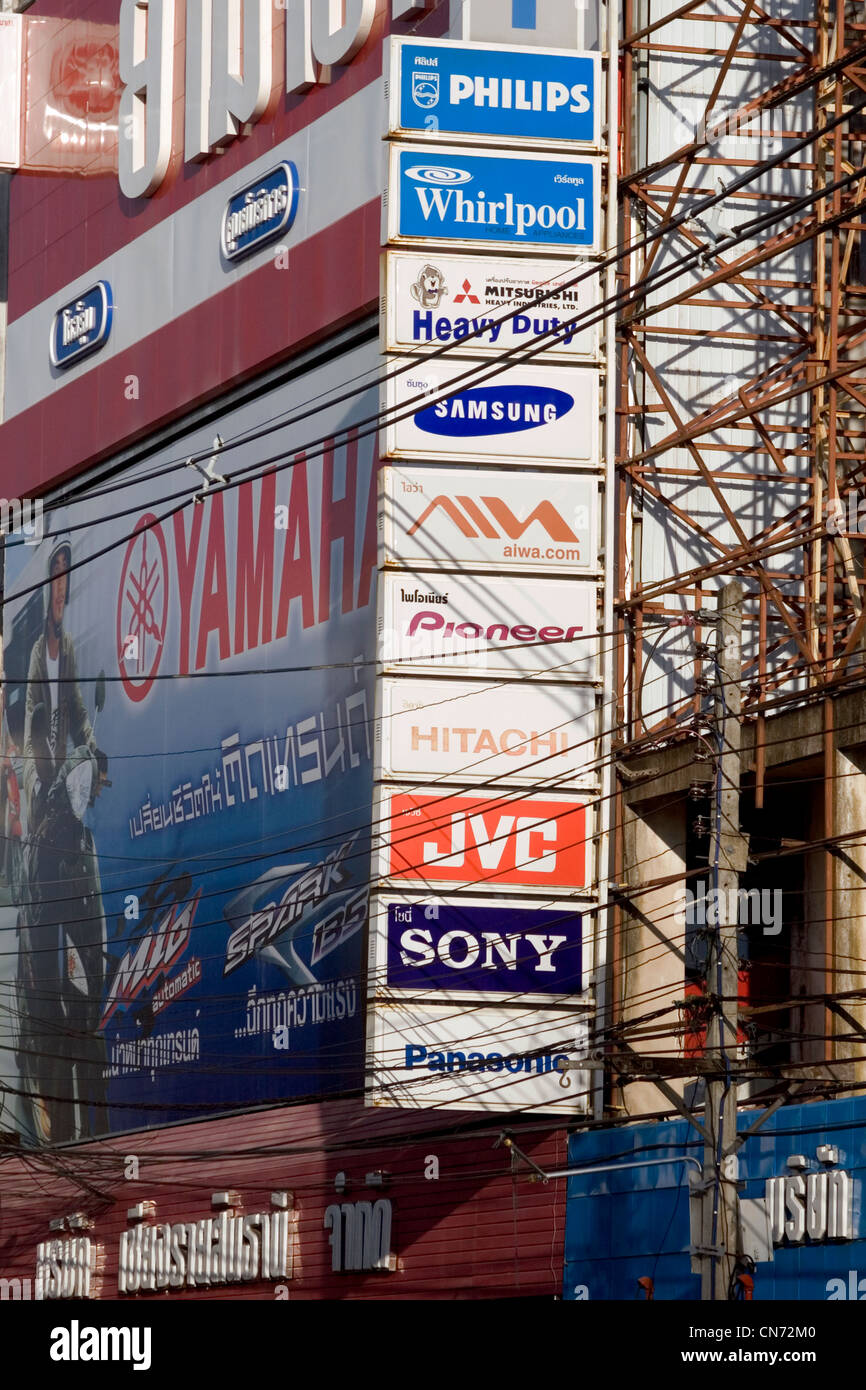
538 203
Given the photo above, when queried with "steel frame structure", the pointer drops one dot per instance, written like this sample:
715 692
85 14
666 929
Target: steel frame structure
760 476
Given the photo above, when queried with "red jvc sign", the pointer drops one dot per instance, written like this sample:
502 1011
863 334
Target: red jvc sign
466 839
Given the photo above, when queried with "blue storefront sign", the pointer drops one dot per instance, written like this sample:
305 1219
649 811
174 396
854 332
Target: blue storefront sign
260 212
807 1164
510 201
495 91
486 949
81 326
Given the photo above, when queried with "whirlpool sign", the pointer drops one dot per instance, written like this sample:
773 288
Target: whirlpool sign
543 202
503 91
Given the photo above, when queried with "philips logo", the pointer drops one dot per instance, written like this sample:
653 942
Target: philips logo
488 410
435 173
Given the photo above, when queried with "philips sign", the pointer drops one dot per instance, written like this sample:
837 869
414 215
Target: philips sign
82 326
541 202
505 92
260 212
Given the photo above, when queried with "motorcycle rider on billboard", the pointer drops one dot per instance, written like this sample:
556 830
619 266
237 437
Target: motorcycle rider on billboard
63 932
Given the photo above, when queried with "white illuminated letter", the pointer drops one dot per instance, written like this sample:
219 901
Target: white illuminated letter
146 63
241 67
198 59
341 28
300 67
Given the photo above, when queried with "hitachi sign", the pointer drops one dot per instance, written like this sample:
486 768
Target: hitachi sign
224 90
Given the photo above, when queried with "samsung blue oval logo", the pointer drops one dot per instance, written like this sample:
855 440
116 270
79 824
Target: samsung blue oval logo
82 326
261 211
495 410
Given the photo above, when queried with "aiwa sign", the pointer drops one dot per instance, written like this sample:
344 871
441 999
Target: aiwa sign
439 88
542 202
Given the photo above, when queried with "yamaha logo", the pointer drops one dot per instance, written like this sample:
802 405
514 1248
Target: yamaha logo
436 173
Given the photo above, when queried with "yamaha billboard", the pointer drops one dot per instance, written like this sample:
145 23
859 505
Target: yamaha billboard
188 779
493 91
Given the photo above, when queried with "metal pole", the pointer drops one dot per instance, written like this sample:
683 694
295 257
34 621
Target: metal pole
727 859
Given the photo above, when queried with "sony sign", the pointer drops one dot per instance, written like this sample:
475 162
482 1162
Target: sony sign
229 76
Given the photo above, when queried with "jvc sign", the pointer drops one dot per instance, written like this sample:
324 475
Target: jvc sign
453 90
540 203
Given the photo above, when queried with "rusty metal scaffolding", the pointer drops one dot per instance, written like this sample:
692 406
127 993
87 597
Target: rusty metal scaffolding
741 437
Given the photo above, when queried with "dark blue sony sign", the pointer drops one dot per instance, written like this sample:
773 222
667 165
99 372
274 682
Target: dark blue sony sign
492 950
81 326
260 212
487 410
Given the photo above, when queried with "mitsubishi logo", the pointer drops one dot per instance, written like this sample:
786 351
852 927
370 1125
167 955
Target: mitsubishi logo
467 294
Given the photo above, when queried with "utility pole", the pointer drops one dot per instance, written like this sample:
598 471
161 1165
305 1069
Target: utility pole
719 1224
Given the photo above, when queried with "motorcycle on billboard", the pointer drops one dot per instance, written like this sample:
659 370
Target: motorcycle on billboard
190 930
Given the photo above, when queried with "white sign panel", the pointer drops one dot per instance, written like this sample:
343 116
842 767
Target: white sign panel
422 1055
468 624
487 307
541 416
468 518
11 47
476 732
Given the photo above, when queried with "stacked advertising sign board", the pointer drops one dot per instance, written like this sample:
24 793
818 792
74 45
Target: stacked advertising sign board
488 703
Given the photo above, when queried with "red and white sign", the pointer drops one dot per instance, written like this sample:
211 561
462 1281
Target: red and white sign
494 842
513 732
439 623
469 518
11 26
423 1054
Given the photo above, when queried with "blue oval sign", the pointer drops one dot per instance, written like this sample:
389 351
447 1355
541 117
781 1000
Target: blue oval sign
260 212
495 410
81 326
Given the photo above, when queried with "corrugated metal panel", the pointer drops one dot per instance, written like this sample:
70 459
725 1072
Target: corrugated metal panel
477 1232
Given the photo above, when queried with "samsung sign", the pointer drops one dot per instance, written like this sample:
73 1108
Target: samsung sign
457 90
81 326
261 212
540 203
